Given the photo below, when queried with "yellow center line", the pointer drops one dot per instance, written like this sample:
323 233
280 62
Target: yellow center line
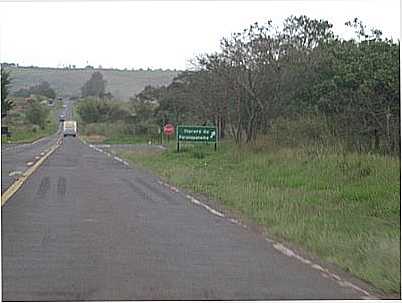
13 188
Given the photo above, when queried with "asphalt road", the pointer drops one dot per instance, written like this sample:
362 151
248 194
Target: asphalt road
87 227
16 158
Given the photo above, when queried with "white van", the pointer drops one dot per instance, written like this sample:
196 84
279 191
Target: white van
69 128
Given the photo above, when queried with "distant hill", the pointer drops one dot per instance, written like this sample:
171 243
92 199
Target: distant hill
121 83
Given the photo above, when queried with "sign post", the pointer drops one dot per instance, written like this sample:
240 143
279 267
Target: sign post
168 130
207 134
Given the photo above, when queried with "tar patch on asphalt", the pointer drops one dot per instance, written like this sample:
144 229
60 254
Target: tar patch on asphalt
61 187
43 187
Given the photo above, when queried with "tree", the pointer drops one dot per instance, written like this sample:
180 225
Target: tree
37 114
6 104
43 89
22 92
95 86
101 110
301 73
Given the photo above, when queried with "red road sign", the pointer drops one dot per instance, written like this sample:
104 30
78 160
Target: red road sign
168 129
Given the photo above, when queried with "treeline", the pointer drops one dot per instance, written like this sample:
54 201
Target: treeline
299 82
100 67
41 89
101 114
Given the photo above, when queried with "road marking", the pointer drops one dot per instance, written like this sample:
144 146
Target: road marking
278 246
288 252
324 272
210 209
318 267
89 220
38 140
238 223
106 153
15 172
20 145
13 188
117 159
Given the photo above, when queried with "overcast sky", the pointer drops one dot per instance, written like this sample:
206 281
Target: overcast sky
157 34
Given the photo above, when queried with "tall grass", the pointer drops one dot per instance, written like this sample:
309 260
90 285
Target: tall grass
23 131
114 124
118 132
343 207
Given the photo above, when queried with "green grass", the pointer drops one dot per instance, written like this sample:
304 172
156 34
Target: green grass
111 133
128 139
22 135
24 132
342 208
119 139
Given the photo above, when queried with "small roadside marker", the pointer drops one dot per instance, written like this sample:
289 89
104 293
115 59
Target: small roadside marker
15 172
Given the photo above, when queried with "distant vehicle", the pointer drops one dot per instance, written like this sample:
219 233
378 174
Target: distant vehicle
69 128
60 98
50 102
62 118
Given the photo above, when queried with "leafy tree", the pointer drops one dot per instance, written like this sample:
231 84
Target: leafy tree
37 114
303 73
43 89
95 110
95 86
22 92
6 104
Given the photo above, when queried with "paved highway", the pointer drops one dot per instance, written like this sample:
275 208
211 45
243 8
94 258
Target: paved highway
16 158
85 226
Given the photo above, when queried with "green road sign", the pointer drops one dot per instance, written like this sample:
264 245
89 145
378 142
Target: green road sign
196 134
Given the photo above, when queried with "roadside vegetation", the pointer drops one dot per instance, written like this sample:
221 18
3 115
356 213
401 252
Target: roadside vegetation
342 207
309 129
27 115
28 122
68 80
292 73
103 119
309 125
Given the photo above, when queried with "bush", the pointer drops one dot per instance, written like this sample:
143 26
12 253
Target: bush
305 131
145 128
35 128
37 114
97 110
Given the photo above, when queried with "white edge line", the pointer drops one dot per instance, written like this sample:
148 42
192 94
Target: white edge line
286 251
278 246
108 154
290 253
210 209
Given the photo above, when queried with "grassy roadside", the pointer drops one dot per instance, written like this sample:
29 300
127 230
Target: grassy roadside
27 135
343 208
24 132
119 126
118 139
